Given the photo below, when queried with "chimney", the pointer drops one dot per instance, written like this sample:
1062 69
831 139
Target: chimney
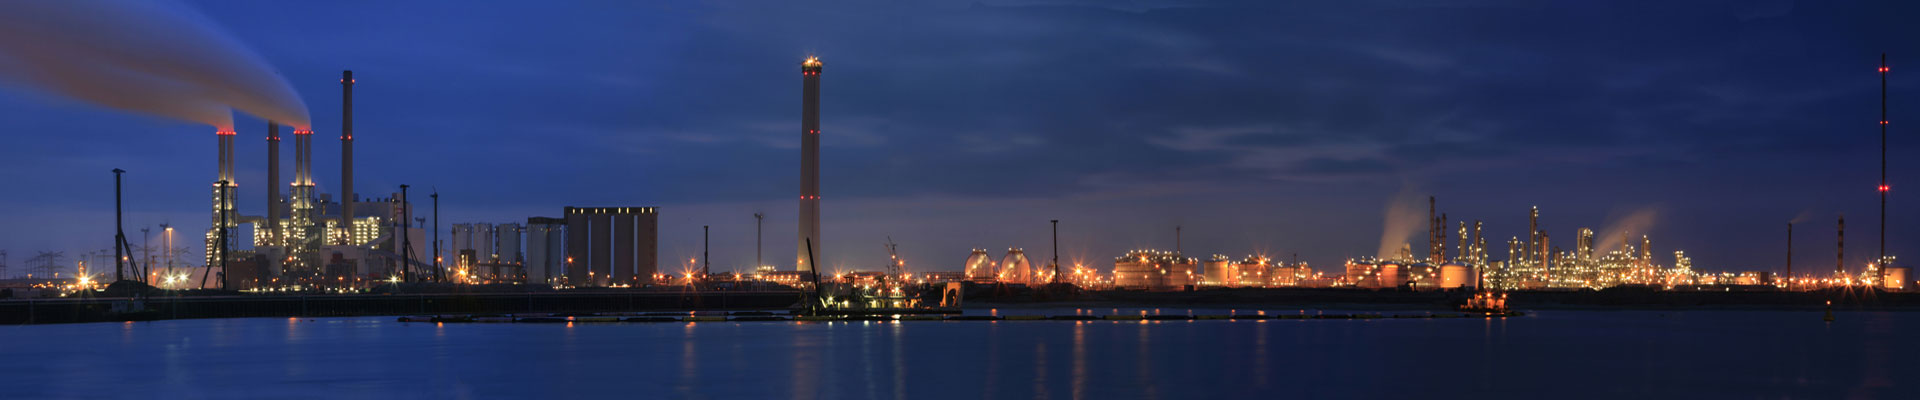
1461 253
1440 232
1433 255
1546 257
346 154
226 171
1840 265
1533 231
300 193
273 183
809 237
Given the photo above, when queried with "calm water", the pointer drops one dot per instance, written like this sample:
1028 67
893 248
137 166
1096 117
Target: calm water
1560 354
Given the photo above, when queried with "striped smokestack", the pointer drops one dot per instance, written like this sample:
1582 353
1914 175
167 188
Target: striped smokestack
346 154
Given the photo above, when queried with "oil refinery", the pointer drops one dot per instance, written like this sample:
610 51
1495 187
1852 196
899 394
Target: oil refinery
309 241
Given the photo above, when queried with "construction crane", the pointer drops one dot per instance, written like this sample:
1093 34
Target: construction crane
895 265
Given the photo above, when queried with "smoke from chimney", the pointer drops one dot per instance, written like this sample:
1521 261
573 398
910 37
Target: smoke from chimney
1402 220
156 57
1614 235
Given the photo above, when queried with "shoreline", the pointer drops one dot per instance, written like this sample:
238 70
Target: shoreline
107 309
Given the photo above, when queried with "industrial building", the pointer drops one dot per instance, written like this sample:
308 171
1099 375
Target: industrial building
309 238
472 245
612 246
488 253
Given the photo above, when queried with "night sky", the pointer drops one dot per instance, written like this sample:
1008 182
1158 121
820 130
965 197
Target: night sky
1274 128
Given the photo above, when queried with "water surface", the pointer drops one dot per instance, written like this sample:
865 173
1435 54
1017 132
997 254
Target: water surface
1558 354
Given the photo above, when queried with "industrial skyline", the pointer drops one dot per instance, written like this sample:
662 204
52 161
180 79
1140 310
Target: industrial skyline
949 151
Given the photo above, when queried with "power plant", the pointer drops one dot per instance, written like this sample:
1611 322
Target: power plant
306 238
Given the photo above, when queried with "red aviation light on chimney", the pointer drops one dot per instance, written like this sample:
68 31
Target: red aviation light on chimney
1883 188
225 133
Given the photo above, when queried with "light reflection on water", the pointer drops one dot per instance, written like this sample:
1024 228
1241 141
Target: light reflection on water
1560 354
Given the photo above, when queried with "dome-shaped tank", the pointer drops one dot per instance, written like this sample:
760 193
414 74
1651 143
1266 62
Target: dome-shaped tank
1014 267
980 267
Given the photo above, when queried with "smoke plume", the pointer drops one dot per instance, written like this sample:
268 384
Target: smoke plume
1405 214
1617 232
155 57
1805 215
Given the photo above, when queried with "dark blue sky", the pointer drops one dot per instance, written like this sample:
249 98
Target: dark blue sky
1279 128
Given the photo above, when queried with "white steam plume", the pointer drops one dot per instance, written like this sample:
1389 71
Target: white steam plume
155 57
1633 224
1405 214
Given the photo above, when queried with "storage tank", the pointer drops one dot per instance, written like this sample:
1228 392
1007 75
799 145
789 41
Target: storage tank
1153 270
1252 271
1014 268
1422 275
1361 274
509 240
979 267
1133 270
1220 271
1453 276
1391 275
1896 278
